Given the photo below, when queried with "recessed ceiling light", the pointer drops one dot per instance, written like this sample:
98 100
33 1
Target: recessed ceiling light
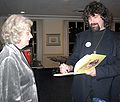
22 12
66 0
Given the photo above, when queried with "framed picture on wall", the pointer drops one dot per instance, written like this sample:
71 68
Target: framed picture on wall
53 39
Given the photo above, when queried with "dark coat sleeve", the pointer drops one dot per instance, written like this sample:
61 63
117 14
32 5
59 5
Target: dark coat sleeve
76 51
112 69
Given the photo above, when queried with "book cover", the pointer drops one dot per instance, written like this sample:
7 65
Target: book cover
85 64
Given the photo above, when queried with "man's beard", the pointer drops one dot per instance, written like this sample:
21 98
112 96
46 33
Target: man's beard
94 27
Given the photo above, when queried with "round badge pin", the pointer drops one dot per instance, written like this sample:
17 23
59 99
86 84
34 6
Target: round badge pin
88 44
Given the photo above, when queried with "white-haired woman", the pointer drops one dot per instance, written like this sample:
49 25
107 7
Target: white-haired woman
17 83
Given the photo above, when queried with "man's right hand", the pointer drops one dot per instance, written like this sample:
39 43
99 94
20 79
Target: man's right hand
64 68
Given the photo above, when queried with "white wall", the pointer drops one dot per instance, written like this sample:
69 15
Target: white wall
52 26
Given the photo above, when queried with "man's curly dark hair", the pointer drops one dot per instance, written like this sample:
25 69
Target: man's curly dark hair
97 8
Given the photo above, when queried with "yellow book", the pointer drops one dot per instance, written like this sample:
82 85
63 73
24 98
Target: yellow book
85 64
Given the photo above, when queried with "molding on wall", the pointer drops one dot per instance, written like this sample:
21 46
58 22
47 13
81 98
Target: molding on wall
51 17
56 17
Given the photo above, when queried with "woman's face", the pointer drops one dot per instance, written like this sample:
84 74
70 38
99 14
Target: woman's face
25 37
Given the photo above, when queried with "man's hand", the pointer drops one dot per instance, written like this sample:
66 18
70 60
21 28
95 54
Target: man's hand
91 72
64 68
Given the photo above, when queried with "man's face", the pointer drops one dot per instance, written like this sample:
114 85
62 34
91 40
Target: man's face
96 23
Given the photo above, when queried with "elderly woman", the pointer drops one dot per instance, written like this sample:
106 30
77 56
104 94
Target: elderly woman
17 83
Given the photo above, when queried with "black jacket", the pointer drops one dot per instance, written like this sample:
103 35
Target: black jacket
99 86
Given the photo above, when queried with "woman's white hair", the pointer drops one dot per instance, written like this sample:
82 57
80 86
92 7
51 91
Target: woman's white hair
12 27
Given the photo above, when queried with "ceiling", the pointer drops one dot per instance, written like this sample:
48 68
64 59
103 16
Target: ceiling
53 7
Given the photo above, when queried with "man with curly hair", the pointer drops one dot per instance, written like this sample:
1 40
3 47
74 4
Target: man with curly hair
95 84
